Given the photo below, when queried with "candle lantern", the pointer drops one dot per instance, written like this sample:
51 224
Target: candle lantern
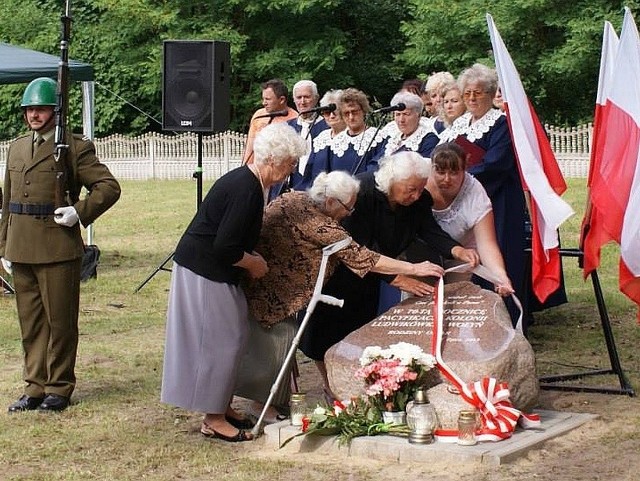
421 418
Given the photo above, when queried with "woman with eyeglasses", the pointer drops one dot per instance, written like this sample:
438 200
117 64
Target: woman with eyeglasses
322 142
392 211
296 227
484 134
355 149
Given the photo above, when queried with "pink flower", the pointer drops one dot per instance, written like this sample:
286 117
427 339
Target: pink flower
391 374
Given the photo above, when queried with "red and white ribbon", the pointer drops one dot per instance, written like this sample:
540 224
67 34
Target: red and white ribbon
491 398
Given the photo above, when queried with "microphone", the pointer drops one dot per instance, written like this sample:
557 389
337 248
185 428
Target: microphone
390 108
325 108
279 113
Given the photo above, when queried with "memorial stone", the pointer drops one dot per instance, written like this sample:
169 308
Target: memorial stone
478 341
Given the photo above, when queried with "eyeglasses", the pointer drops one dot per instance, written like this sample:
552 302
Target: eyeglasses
467 94
350 210
349 113
329 114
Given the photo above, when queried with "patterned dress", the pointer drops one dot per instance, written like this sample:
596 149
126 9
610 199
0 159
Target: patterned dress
294 233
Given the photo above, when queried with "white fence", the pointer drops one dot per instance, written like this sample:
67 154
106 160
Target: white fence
158 156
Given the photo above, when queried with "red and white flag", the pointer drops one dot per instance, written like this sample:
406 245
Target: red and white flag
539 171
592 236
615 176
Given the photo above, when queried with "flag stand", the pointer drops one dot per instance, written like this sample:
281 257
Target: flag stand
557 382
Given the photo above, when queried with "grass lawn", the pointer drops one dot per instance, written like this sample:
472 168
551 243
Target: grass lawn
118 430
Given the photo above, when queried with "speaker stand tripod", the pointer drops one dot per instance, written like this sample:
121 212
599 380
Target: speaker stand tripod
198 176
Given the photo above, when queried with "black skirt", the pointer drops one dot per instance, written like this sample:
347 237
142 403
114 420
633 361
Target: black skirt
328 325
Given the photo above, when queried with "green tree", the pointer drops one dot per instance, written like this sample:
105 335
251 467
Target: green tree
554 44
338 43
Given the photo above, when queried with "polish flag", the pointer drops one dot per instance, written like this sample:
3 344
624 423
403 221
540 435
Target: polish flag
615 177
540 174
592 236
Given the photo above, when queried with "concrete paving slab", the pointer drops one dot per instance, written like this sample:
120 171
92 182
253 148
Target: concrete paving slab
399 450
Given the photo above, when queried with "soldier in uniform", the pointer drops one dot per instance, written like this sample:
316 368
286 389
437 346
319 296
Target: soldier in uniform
41 245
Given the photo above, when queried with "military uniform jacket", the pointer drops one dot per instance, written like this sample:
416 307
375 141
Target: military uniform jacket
30 179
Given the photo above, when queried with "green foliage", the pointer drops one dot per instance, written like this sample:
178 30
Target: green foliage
372 45
357 418
555 45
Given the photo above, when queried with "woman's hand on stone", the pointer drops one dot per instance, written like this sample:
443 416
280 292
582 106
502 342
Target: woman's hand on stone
411 285
427 268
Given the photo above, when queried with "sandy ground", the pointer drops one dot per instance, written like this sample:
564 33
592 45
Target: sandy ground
607 448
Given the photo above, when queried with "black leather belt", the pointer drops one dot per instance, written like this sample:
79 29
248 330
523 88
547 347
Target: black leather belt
31 209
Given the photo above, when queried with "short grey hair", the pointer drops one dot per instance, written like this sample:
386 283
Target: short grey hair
401 166
412 101
279 142
306 83
335 185
479 73
331 97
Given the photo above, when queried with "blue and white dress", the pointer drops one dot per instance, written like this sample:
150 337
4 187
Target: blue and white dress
423 140
352 153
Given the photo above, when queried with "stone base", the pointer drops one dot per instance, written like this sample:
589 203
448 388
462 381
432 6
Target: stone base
399 450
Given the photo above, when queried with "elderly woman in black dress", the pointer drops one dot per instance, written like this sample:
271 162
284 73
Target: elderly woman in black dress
392 211
207 318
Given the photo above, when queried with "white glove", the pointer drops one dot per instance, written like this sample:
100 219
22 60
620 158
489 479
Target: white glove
66 216
6 265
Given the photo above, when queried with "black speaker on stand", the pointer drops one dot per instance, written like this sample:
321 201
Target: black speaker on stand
196 80
196 84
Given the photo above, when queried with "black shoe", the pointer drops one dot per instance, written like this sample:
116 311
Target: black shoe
25 403
54 402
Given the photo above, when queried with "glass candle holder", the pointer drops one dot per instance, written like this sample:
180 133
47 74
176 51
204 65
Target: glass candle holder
298 406
467 423
421 418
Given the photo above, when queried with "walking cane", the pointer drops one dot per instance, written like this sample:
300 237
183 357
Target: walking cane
317 296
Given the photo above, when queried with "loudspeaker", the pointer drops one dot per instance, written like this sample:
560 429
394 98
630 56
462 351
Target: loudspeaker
196 80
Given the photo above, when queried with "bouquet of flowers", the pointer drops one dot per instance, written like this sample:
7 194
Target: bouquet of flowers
392 374
347 421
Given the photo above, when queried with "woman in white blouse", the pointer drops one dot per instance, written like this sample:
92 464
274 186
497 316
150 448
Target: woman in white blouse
463 209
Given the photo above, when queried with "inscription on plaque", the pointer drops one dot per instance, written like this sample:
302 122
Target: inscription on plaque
463 316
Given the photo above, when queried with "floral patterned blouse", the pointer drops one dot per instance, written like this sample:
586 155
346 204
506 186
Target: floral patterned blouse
294 232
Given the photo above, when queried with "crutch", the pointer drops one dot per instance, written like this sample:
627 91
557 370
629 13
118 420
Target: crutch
317 296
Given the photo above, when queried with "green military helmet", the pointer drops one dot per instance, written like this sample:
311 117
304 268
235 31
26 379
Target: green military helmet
40 92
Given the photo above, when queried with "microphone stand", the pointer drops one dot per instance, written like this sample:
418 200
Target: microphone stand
364 154
281 189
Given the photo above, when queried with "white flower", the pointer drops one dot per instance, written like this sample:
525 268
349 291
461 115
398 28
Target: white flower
406 352
369 354
319 410
427 360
